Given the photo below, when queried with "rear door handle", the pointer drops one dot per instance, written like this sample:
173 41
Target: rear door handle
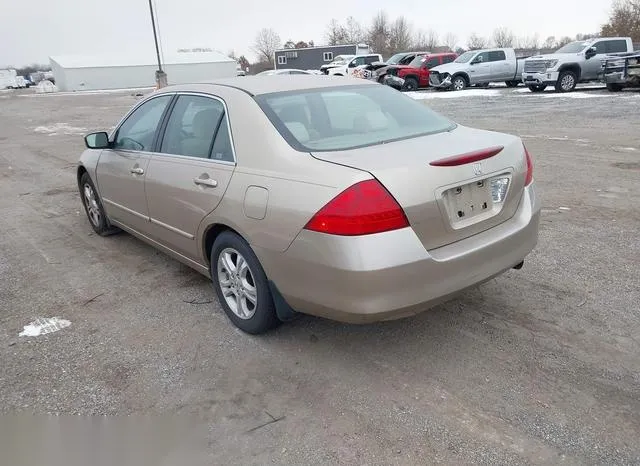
206 182
137 171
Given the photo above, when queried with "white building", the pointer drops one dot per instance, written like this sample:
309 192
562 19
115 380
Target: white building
79 73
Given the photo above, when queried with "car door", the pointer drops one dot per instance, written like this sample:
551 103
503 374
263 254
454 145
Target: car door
501 68
480 68
122 168
190 171
592 66
355 63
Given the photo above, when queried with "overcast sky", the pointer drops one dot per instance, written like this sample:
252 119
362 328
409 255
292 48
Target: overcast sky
32 31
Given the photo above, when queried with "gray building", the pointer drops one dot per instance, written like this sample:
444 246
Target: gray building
312 58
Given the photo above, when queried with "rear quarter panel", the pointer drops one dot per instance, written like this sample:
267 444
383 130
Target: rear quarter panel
297 185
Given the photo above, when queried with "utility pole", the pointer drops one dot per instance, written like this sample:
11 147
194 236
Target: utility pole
161 76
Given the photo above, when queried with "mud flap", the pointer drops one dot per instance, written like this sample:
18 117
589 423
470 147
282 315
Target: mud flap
284 312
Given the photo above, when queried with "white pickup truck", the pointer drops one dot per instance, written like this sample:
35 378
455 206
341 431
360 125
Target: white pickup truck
579 61
478 67
347 68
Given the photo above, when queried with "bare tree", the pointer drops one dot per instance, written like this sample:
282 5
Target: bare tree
550 43
336 33
450 40
379 33
476 42
425 41
354 31
266 43
503 37
563 41
624 20
400 35
529 42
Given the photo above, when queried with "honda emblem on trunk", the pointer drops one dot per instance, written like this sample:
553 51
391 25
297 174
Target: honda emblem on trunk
477 169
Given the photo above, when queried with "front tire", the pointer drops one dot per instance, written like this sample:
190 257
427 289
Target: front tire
93 207
458 83
512 83
410 85
567 81
241 285
614 87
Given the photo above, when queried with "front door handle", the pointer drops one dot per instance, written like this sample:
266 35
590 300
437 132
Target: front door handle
206 182
137 171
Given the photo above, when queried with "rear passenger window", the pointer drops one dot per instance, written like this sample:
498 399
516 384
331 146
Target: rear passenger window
191 128
497 55
616 46
369 60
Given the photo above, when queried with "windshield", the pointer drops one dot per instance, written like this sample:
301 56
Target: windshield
573 47
348 117
342 58
396 58
465 57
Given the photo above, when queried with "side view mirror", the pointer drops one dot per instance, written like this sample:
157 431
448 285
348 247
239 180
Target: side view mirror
590 52
99 140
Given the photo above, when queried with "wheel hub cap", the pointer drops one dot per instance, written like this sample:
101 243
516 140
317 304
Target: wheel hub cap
237 283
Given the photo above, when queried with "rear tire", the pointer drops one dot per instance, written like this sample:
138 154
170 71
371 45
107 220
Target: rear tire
241 285
93 207
458 83
566 82
410 85
537 87
613 87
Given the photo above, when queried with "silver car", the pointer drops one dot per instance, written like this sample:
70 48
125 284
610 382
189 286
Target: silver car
338 198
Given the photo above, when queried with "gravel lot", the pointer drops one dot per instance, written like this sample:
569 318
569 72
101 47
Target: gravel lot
541 365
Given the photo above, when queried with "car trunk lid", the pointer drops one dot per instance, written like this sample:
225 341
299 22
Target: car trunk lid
447 203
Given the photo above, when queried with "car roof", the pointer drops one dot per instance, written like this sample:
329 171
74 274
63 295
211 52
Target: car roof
256 85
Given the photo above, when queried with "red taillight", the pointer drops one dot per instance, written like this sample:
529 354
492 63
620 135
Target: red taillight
529 178
362 209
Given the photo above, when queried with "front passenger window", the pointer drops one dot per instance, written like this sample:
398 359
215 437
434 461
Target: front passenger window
139 130
193 122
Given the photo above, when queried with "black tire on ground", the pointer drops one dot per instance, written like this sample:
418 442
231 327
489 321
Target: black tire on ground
93 207
614 87
410 84
264 317
567 81
512 83
458 83
537 87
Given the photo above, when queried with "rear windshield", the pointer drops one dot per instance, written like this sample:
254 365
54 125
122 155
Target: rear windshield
348 117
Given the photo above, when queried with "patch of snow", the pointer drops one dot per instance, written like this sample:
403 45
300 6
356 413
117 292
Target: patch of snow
44 325
453 94
63 128
624 149
575 95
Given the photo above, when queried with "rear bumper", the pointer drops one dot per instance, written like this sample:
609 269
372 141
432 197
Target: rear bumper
391 275
536 79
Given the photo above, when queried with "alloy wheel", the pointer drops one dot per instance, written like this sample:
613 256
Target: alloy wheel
237 283
91 202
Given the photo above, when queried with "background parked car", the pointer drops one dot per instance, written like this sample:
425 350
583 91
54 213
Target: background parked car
416 74
282 71
479 67
579 61
347 68
621 71
339 60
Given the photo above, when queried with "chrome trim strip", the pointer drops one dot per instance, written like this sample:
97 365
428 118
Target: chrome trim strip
170 228
126 209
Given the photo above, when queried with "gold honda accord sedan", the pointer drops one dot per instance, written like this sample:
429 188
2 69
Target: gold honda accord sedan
328 196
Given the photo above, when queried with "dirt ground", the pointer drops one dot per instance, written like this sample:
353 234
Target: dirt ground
539 366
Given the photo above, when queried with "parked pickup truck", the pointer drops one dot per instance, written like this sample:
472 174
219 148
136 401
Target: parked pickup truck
347 68
621 71
479 67
416 74
579 61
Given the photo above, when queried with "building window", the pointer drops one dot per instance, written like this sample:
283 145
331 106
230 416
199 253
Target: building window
282 60
327 56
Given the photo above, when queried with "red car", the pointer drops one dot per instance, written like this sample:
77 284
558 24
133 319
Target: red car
416 74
